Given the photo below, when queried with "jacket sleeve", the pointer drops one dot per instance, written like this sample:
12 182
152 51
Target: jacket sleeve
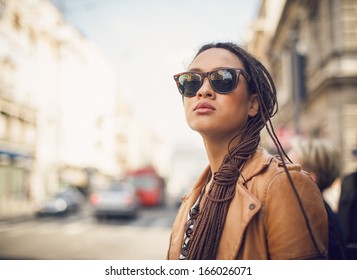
287 230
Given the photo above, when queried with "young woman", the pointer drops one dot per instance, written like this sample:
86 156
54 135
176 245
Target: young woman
247 204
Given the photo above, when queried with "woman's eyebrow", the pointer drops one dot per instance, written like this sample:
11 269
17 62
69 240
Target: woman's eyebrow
195 69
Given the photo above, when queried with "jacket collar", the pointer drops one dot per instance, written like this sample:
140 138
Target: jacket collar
251 168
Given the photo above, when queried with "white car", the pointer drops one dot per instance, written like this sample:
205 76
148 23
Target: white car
118 200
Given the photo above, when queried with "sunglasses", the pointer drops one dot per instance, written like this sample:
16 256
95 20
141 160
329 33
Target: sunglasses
223 81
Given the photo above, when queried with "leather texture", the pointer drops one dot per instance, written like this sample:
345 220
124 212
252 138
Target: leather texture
264 220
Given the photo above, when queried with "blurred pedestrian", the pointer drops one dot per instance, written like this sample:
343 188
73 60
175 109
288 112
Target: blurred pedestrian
321 159
347 211
247 204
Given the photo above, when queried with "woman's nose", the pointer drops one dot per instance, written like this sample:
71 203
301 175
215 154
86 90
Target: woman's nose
206 90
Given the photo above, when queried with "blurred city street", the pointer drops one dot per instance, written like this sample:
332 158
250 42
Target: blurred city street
81 236
88 99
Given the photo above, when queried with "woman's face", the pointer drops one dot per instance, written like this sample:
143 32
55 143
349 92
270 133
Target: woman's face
221 116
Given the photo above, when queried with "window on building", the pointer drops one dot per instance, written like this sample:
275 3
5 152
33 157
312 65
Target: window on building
5 126
300 75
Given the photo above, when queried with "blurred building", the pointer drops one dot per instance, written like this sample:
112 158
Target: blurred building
61 121
310 48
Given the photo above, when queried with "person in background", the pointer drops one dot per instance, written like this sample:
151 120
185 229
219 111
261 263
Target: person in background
347 211
321 159
247 204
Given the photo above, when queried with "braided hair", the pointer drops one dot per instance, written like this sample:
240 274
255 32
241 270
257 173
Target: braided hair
210 221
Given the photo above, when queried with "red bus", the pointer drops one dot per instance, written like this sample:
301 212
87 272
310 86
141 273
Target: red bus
150 187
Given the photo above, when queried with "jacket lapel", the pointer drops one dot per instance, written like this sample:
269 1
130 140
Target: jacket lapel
241 210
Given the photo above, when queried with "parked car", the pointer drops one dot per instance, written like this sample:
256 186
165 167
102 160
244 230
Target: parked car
118 200
66 201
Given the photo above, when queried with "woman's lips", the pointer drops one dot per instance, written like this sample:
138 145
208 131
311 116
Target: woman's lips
203 108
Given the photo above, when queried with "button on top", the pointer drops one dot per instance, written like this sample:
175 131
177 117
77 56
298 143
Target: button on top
251 206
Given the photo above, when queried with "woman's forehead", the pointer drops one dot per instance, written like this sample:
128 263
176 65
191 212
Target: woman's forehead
215 58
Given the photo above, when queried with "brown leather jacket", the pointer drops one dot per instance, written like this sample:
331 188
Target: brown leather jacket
264 220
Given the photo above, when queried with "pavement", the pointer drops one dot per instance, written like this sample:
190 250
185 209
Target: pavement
16 210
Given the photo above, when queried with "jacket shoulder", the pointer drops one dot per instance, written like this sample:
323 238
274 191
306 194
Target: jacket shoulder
263 168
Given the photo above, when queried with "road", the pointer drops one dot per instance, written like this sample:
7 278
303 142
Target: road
82 237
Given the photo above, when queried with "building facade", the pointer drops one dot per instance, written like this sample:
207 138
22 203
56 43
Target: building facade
60 122
311 52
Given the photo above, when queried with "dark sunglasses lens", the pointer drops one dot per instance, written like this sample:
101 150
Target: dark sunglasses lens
223 80
189 84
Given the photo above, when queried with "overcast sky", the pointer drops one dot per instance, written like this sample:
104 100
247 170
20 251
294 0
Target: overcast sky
150 41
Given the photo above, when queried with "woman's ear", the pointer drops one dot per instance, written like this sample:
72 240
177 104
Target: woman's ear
254 105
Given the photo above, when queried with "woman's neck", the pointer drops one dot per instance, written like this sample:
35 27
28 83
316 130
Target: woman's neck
216 151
